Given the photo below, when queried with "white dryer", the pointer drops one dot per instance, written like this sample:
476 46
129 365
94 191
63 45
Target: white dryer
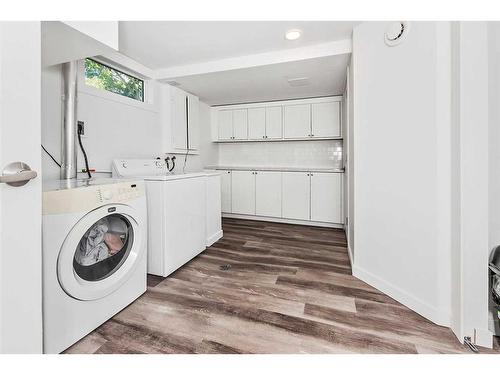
184 211
94 255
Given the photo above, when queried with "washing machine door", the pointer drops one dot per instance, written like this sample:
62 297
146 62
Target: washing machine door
101 252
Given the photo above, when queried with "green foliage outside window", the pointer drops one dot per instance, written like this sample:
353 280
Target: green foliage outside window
105 78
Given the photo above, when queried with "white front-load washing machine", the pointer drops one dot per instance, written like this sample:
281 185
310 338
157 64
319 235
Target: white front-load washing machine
94 255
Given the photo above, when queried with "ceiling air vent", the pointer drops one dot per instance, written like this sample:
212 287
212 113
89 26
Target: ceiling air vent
396 32
299 81
173 83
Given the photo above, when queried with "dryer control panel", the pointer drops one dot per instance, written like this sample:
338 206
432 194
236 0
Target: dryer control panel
139 167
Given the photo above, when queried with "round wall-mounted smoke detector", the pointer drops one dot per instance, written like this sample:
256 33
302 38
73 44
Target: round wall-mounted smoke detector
396 32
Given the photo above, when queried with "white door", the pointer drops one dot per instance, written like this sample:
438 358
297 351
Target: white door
225 183
179 119
243 192
268 194
326 119
193 122
296 195
20 207
240 124
297 121
225 122
326 197
256 123
274 122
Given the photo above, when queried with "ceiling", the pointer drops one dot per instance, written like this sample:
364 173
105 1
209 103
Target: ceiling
163 44
326 76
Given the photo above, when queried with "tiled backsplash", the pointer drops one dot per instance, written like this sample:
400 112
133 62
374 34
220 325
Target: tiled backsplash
282 154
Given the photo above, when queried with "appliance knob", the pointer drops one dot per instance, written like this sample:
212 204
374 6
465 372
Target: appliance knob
124 165
107 195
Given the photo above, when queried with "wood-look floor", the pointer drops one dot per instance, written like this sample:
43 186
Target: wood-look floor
268 288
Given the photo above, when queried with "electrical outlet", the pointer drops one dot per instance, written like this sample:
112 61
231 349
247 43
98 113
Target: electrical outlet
81 128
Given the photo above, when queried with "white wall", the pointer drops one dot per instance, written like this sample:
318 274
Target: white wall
282 154
397 188
115 127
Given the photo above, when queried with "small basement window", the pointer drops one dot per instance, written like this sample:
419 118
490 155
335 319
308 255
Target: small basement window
104 77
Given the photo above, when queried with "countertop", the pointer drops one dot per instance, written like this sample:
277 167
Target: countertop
277 169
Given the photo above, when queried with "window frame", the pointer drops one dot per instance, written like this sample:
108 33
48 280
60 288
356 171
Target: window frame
109 66
149 103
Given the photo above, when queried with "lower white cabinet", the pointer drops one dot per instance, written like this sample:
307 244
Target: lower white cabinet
243 192
225 183
296 195
268 193
305 196
326 197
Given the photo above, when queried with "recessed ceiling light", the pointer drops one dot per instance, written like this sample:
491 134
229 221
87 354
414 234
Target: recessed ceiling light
293 34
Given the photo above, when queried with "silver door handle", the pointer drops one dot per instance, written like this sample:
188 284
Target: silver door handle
17 174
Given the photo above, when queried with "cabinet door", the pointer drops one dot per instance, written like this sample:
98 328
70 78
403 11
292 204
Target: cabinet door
240 124
256 123
193 122
326 197
326 119
225 122
179 119
243 192
268 194
297 122
296 195
274 123
225 183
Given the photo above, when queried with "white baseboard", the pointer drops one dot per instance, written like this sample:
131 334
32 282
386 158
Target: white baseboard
214 238
285 221
349 252
412 302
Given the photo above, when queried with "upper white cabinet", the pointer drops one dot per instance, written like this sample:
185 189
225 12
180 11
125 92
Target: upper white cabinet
265 123
256 123
225 122
274 122
326 197
304 119
325 119
240 124
233 124
243 192
179 119
184 109
297 121
268 193
193 121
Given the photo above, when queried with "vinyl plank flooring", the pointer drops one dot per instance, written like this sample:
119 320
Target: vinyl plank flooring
268 288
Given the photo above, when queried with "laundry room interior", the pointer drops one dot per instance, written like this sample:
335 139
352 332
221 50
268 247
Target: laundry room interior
267 187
